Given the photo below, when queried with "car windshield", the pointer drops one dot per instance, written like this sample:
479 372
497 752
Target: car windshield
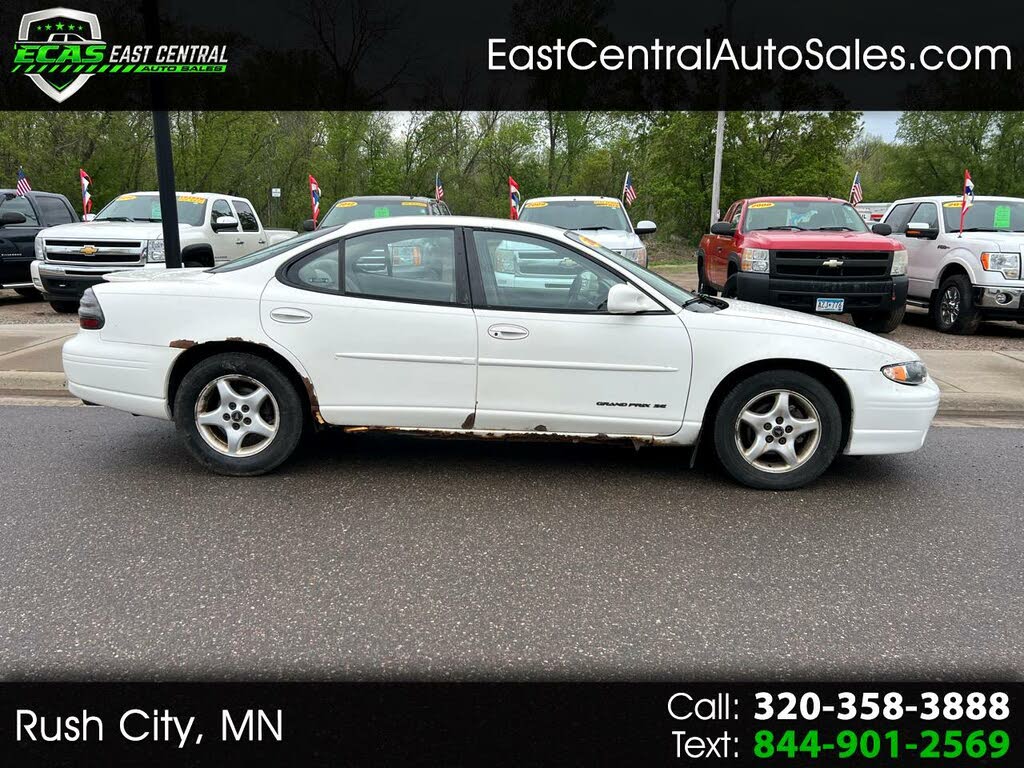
803 215
344 211
653 279
985 216
576 214
191 209
267 253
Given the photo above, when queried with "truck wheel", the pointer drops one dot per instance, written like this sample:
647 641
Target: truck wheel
703 286
953 309
28 293
880 322
64 307
238 414
777 430
729 289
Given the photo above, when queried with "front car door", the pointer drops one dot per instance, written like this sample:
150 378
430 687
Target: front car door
898 218
722 246
227 243
552 359
251 233
381 322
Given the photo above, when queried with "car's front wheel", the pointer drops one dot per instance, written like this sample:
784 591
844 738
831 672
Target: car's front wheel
777 430
953 309
28 293
238 414
885 321
703 284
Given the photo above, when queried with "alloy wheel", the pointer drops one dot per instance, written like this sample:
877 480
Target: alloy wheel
778 431
949 307
237 415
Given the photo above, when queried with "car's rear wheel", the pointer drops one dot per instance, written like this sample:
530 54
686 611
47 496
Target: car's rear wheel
729 289
953 309
880 322
64 307
238 414
777 430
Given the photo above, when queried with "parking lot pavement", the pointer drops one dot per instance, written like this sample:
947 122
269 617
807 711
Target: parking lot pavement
15 309
395 557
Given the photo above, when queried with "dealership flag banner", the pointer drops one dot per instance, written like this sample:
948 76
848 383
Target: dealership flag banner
856 191
513 198
628 190
968 199
438 187
314 198
23 186
86 197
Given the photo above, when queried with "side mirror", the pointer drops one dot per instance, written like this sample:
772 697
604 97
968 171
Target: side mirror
881 229
224 223
12 217
645 228
308 225
923 231
88 216
625 299
723 228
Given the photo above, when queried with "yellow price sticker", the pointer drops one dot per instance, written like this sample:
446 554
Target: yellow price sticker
191 199
536 204
762 205
347 204
414 203
607 203
954 204
128 197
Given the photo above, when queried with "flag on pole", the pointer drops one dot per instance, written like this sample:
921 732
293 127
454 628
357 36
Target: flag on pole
628 190
438 187
513 198
86 197
23 186
856 191
968 199
314 198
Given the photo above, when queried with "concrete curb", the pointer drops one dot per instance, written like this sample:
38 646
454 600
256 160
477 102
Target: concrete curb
33 384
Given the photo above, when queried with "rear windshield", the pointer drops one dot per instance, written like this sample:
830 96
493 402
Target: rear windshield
803 215
985 216
344 211
576 214
191 209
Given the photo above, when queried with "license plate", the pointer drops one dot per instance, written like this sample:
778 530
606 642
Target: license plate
829 305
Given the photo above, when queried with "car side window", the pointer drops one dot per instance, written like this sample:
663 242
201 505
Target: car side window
926 213
317 270
735 219
403 265
18 204
54 211
899 216
534 274
246 217
221 208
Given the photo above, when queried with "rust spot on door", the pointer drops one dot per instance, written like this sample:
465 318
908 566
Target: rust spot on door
314 404
182 344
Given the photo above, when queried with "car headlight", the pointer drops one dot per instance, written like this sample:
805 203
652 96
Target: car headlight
155 250
899 262
636 255
504 261
40 247
906 373
1007 263
754 260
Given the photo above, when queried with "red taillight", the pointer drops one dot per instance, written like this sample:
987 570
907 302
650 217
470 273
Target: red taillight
90 314
876 217
90 323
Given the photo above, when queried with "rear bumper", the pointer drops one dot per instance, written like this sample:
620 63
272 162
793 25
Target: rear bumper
801 294
888 417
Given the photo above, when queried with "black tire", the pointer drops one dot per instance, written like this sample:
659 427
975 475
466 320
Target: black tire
952 308
729 289
64 307
289 419
28 293
703 285
880 322
730 432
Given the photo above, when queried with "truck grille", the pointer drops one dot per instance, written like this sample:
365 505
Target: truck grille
822 264
106 251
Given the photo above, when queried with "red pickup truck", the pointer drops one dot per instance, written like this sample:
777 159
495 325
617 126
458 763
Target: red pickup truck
813 254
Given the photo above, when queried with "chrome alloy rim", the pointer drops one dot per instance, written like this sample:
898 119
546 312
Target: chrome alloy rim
778 431
949 308
237 415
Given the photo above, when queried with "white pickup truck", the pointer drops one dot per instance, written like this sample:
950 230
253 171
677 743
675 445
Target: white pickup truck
127 234
962 279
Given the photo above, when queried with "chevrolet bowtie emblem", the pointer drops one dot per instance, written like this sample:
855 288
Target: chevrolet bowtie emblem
88 250
832 263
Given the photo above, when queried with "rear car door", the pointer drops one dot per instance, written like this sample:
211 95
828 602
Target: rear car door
251 233
382 323
17 241
552 359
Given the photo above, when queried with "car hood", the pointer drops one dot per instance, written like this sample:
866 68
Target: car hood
110 230
1011 242
840 241
799 323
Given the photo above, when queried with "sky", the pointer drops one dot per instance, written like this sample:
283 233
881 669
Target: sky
881 124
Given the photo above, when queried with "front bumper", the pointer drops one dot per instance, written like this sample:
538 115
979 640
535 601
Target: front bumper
877 295
888 417
1000 303
64 282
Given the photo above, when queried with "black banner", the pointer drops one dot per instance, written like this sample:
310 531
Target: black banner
321 724
461 54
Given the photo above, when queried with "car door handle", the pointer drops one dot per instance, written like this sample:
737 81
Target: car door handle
262 242
239 242
290 315
507 332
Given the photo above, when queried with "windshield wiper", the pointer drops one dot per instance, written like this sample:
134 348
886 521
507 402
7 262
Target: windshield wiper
786 226
582 228
980 229
116 218
832 229
704 298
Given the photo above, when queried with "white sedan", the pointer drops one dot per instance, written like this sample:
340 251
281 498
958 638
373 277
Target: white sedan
341 327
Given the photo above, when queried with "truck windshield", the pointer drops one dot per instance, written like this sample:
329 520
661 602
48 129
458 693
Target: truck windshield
803 215
344 211
985 216
576 214
191 209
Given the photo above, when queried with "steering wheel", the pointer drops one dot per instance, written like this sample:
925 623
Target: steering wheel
574 290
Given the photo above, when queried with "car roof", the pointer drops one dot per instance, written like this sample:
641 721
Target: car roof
387 198
181 192
955 198
33 192
422 222
570 199
796 198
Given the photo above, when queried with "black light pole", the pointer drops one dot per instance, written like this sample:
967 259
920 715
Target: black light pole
164 154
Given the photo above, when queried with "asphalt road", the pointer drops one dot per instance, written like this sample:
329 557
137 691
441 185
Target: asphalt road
397 557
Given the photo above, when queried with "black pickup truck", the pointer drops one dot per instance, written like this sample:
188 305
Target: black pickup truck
21 218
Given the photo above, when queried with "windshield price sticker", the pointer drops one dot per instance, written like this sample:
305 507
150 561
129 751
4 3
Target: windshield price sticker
954 204
191 199
1001 217
347 204
127 197
536 204
381 213
755 206
414 203
607 203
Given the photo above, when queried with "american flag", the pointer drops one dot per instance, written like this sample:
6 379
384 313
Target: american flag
628 190
314 198
513 198
856 191
23 186
438 187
